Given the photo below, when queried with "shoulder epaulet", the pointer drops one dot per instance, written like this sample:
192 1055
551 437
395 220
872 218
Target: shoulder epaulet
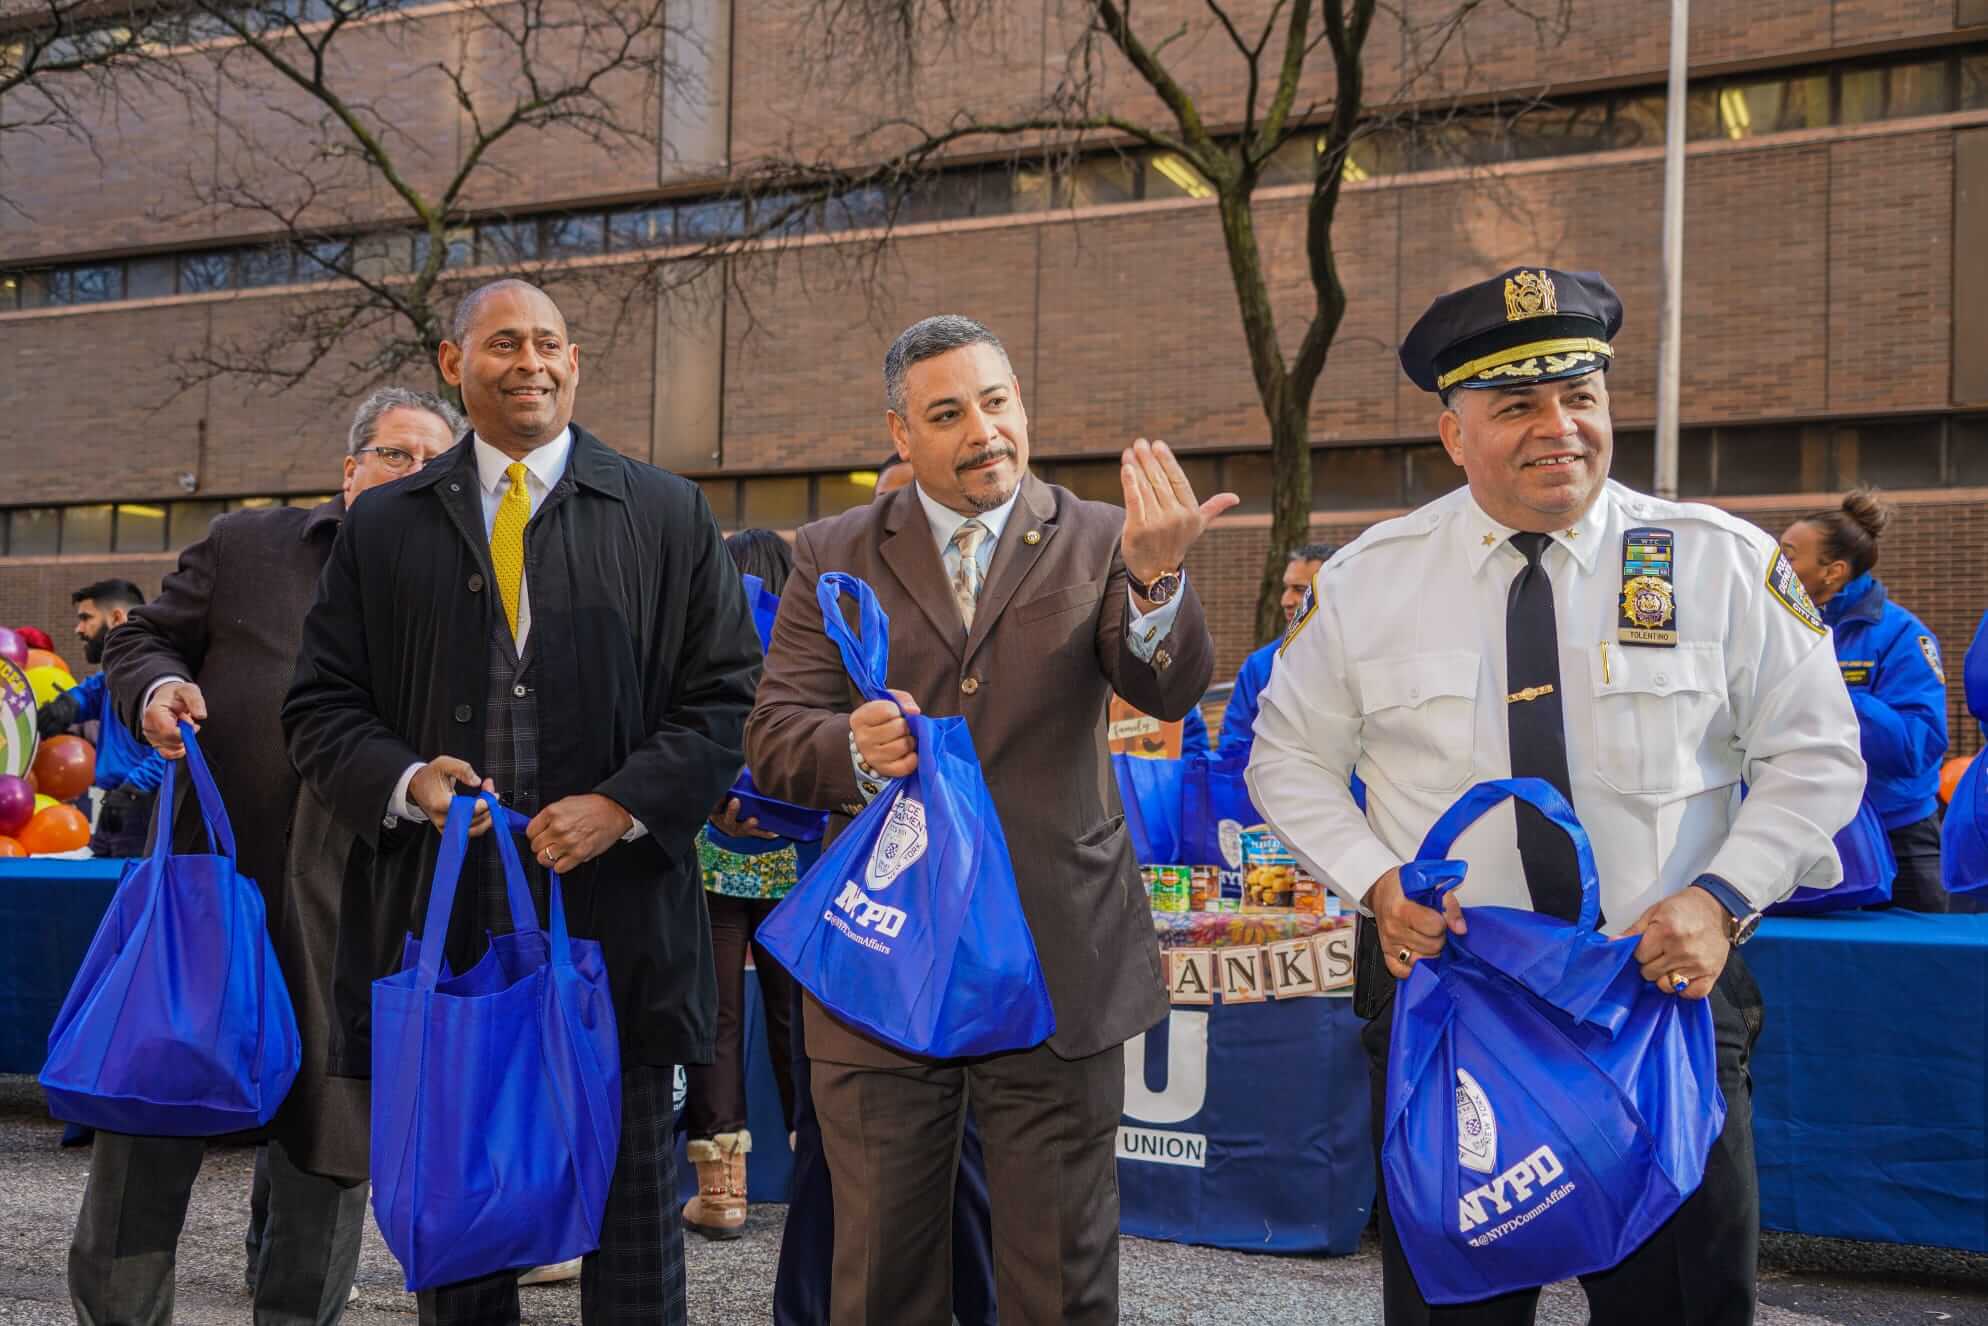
1415 525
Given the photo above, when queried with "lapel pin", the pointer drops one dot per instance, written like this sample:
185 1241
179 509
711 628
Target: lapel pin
1032 538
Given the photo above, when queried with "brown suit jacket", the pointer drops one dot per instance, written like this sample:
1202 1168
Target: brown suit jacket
1047 650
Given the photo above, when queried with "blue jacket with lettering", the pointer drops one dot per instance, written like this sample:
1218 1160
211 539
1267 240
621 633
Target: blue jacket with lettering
120 759
1891 663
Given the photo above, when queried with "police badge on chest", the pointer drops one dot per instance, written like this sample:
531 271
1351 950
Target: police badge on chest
1648 611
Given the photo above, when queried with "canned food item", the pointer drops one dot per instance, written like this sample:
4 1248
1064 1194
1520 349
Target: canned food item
1169 887
1203 889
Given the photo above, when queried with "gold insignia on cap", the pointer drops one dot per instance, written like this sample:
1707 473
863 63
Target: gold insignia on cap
1529 295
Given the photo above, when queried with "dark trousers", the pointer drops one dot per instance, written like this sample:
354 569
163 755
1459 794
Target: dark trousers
1696 1270
1917 887
807 1244
636 1277
717 1101
127 1237
123 823
893 1139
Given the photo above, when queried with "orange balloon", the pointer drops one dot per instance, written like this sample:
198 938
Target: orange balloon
64 766
42 658
8 847
56 829
1950 773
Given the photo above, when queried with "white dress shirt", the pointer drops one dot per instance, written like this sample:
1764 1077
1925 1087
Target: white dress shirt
1403 681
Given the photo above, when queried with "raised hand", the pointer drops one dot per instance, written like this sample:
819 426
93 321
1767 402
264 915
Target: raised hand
1162 517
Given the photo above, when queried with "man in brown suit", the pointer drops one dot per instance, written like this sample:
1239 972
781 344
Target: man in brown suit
224 631
1023 608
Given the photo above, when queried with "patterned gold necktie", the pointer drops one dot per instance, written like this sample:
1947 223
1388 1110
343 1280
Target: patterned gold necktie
966 576
507 542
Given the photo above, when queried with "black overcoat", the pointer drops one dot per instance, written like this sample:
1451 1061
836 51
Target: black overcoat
647 660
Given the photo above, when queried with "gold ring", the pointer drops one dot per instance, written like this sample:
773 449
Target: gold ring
1677 984
1404 957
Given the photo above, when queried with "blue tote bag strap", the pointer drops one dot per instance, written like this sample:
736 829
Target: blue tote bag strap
510 822
867 657
1472 805
448 871
213 814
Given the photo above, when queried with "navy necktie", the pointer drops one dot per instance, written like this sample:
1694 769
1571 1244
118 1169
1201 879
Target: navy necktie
1538 730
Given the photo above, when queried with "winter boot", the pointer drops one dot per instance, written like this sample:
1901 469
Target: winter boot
719 1209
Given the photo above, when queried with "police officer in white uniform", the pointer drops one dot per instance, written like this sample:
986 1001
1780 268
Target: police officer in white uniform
1646 657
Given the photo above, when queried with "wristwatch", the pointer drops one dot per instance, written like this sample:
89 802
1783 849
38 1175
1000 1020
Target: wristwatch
1742 918
1163 588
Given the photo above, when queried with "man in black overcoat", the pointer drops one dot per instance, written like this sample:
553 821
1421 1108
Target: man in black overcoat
223 632
537 613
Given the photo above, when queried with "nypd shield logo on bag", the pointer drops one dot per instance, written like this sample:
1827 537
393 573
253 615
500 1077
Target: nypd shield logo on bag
900 844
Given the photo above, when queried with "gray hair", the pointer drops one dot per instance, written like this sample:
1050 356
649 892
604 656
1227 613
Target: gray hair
928 339
366 421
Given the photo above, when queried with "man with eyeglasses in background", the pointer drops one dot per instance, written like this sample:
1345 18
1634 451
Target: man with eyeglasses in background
227 623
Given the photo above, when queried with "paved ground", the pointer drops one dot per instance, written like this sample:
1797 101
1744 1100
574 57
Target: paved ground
1805 1282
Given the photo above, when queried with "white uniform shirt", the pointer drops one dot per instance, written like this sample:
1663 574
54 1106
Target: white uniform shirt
1402 680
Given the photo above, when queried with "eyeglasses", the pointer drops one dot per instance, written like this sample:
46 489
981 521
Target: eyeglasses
400 462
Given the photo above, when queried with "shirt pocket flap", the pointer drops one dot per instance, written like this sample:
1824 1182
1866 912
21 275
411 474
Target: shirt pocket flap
1404 683
1639 670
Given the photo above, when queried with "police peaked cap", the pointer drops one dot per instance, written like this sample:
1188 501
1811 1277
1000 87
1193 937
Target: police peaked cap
1527 325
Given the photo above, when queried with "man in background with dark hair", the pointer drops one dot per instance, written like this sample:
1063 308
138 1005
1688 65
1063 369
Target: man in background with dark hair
226 625
128 773
1239 719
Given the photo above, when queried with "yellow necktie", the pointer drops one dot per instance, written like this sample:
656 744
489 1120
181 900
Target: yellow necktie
507 542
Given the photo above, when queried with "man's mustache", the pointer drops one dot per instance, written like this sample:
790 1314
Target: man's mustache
985 457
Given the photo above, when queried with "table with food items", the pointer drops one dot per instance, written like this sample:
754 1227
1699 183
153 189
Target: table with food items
1246 1112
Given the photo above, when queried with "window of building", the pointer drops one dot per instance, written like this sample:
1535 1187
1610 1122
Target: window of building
1973 82
644 228
1559 131
34 531
1636 122
10 291
201 272
1967 450
1924 88
308 500
703 222
499 243
94 284
150 278
460 242
566 236
1168 175
1248 475
1888 454
1431 473
140 528
1860 96
1356 478
270 265
1097 181
1092 480
1778 458
774 502
859 209
836 493
1635 461
187 522
250 503
323 259
723 497
86 529
1694 462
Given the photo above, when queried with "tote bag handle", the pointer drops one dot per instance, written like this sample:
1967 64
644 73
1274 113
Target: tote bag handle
1541 796
213 813
867 655
448 872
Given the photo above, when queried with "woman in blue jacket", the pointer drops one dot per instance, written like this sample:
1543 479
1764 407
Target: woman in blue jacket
1891 663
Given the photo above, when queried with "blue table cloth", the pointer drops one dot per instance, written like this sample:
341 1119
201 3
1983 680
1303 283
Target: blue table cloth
1246 1127
1870 1080
49 911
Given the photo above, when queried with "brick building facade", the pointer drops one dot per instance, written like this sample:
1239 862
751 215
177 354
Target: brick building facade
1835 313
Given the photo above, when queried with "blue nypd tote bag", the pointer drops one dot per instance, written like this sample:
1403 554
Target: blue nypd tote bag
1868 870
179 1023
790 821
1547 1108
909 926
496 1093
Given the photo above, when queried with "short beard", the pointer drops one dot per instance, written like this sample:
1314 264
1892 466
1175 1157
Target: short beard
93 647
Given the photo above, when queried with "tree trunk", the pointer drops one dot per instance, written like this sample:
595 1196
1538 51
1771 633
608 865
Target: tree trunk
1290 503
